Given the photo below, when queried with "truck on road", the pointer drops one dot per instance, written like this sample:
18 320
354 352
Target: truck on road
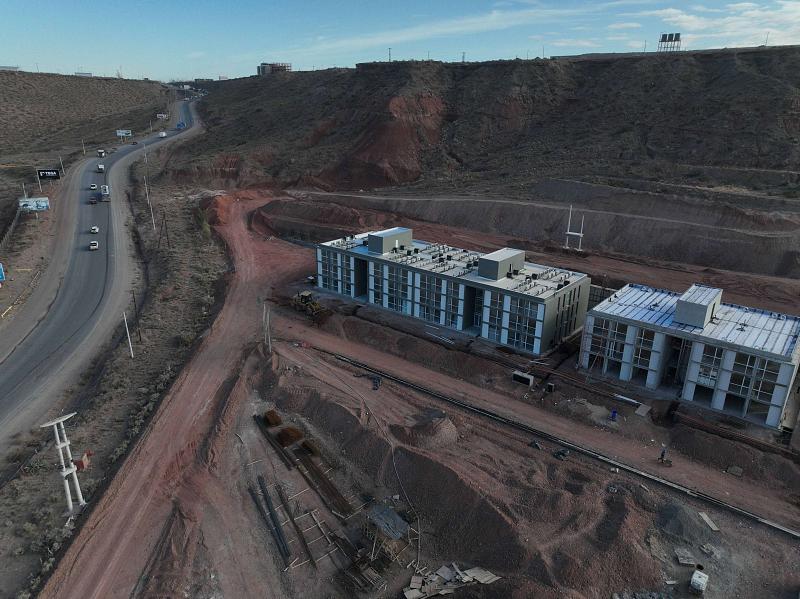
101 168
101 153
105 193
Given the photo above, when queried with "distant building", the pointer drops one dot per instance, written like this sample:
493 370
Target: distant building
79 74
203 80
730 358
497 296
222 78
8 68
265 68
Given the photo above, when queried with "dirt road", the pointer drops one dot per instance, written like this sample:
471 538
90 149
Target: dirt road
182 486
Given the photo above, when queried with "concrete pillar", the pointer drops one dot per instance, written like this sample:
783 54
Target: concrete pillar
384 285
506 309
370 282
692 370
586 340
626 370
416 294
485 318
443 302
723 379
658 362
780 395
319 267
461 303
408 304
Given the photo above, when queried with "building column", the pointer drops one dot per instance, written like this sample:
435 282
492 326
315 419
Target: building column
504 322
655 369
384 285
780 395
408 305
485 317
416 294
443 302
461 304
692 370
586 341
370 282
723 379
537 343
626 369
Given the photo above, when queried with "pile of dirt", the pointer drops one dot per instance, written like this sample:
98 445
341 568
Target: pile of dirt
217 209
433 429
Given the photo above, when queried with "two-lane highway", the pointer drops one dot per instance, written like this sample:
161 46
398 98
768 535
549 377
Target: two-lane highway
36 363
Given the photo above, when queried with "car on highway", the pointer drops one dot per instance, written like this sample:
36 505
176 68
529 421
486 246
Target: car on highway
133 143
92 200
93 186
94 245
94 229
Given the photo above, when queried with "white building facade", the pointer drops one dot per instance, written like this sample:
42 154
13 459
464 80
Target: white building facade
497 296
730 358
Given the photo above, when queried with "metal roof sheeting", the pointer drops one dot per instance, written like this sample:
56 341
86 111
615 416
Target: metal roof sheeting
701 294
737 326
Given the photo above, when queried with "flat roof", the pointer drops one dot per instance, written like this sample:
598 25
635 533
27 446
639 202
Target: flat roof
533 280
503 254
701 294
736 326
390 232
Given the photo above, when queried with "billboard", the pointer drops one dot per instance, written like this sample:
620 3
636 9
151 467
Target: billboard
124 133
162 116
48 173
2 273
34 204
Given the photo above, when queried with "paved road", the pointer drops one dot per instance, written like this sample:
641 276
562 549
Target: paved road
42 351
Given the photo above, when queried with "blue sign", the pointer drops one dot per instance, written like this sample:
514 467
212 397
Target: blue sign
2 273
181 125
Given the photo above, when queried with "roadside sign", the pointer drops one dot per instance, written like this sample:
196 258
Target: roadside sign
163 116
124 133
34 204
2 273
181 125
48 173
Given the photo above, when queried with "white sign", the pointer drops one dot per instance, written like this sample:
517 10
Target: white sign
124 133
163 116
34 204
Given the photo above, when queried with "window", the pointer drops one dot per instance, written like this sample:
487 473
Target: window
709 366
643 348
430 293
522 323
397 293
330 270
347 276
377 284
495 315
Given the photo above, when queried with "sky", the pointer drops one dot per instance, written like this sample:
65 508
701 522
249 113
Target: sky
178 39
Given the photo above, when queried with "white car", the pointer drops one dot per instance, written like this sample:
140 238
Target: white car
94 245
93 186
94 229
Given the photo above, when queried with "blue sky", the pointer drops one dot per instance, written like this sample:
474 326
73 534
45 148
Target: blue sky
205 38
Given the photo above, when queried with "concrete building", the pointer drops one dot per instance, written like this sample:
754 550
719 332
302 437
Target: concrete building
497 296
739 360
266 68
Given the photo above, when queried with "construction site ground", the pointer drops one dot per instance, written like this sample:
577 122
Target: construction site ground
179 519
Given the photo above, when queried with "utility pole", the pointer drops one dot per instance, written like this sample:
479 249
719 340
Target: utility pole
645 46
63 172
151 125
128 333
265 324
38 180
147 194
24 193
390 55
463 57
83 145
136 314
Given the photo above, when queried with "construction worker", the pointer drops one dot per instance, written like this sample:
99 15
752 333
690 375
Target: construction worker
663 455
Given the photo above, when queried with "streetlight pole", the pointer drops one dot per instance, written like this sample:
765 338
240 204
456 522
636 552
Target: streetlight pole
147 194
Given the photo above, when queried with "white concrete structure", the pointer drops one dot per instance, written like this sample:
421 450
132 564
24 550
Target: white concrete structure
68 469
727 357
498 296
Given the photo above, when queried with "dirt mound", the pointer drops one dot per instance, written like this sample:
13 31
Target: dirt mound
217 209
433 429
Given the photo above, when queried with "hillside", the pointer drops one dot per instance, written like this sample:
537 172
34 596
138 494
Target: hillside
392 123
46 115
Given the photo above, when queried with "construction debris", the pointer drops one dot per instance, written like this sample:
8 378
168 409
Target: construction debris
272 418
288 436
709 521
685 557
445 581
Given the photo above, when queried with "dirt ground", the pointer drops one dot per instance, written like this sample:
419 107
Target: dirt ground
116 396
179 519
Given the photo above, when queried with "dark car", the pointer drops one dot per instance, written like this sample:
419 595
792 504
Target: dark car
133 143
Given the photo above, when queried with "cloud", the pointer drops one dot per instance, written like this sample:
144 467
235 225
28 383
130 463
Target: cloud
740 24
196 54
628 25
617 38
575 43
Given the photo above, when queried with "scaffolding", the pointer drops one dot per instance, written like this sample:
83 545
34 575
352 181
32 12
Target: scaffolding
67 471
